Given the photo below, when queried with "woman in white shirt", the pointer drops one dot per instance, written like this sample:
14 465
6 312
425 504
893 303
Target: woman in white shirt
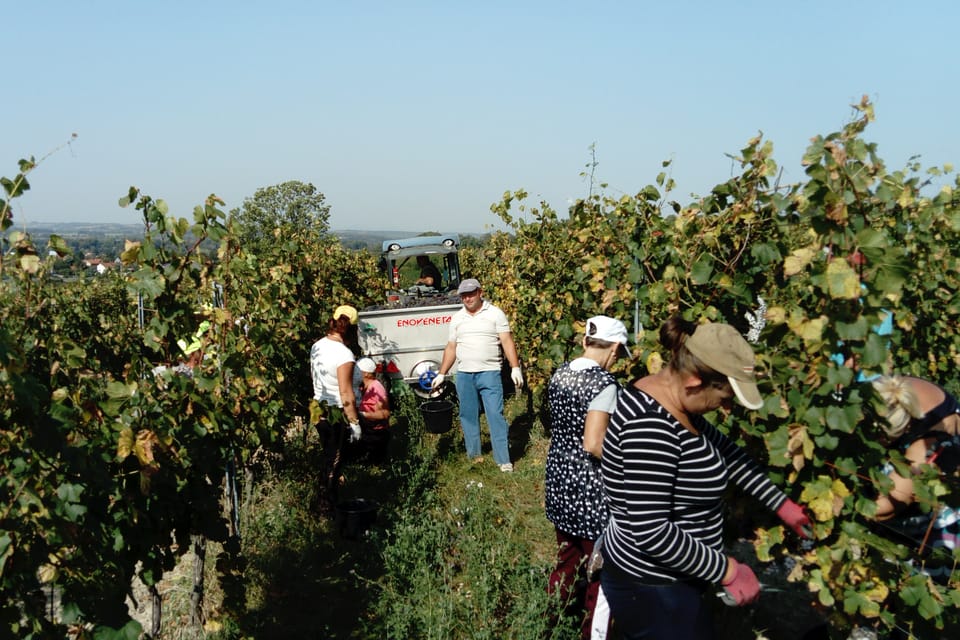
332 360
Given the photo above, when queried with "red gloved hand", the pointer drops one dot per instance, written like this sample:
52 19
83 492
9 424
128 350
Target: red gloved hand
742 587
796 518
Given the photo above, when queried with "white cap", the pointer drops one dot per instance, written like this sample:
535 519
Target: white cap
366 365
610 330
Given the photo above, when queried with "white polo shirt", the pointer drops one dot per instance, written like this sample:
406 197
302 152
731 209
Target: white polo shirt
478 338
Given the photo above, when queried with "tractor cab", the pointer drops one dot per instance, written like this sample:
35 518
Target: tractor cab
399 263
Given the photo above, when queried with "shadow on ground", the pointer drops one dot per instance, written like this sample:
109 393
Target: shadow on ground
307 575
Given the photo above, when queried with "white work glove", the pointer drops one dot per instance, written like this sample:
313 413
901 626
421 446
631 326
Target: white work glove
355 432
517 377
437 381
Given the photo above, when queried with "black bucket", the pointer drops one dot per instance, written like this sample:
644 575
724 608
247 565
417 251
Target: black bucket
437 415
355 517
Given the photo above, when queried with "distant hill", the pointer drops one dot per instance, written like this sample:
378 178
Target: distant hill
102 236
87 229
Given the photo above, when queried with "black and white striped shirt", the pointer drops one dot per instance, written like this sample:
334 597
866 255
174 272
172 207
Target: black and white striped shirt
665 488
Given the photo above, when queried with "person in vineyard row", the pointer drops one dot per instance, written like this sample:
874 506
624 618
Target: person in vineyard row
581 396
477 332
374 412
922 421
665 470
334 412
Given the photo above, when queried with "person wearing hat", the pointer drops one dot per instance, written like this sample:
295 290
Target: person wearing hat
581 396
665 470
374 411
331 368
477 332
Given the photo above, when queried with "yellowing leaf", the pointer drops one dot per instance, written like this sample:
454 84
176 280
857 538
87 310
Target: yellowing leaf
48 573
799 446
125 443
810 330
839 488
821 507
609 296
842 280
654 363
143 448
797 261
906 198
824 498
30 263
776 315
131 252
878 593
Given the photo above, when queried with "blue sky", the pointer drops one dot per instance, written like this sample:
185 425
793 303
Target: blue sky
419 115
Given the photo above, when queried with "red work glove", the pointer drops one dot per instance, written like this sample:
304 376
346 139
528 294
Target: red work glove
796 518
742 587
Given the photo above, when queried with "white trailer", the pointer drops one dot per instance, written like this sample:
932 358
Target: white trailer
406 336
407 343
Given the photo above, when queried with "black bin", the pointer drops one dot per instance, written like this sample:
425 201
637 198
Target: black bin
437 415
355 517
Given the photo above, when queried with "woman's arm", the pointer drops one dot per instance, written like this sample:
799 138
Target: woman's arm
347 397
901 495
744 472
594 429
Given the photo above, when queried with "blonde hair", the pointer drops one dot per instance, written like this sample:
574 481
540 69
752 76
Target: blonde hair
901 404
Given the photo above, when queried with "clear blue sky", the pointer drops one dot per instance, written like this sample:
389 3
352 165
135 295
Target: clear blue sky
419 115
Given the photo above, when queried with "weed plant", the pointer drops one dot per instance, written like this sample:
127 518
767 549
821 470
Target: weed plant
471 559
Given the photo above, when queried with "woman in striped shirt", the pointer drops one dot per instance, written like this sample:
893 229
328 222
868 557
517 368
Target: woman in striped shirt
665 470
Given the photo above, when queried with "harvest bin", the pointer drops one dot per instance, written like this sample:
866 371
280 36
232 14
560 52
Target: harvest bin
437 415
354 517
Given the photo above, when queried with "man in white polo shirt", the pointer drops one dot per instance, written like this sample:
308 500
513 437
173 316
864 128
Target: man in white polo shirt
477 332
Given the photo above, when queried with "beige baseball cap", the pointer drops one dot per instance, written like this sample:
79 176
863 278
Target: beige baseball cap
723 349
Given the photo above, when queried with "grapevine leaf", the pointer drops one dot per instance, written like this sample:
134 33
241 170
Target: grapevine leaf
702 270
125 443
842 280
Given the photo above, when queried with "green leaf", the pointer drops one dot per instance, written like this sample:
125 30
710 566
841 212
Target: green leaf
148 282
856 330
766 253
929 607
129 631
702 270
649 193
119 390
71 613
914 590
870 237
6 548
826 441
59 245
875 351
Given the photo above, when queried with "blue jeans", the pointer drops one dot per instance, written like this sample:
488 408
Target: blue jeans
675 611
471 389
